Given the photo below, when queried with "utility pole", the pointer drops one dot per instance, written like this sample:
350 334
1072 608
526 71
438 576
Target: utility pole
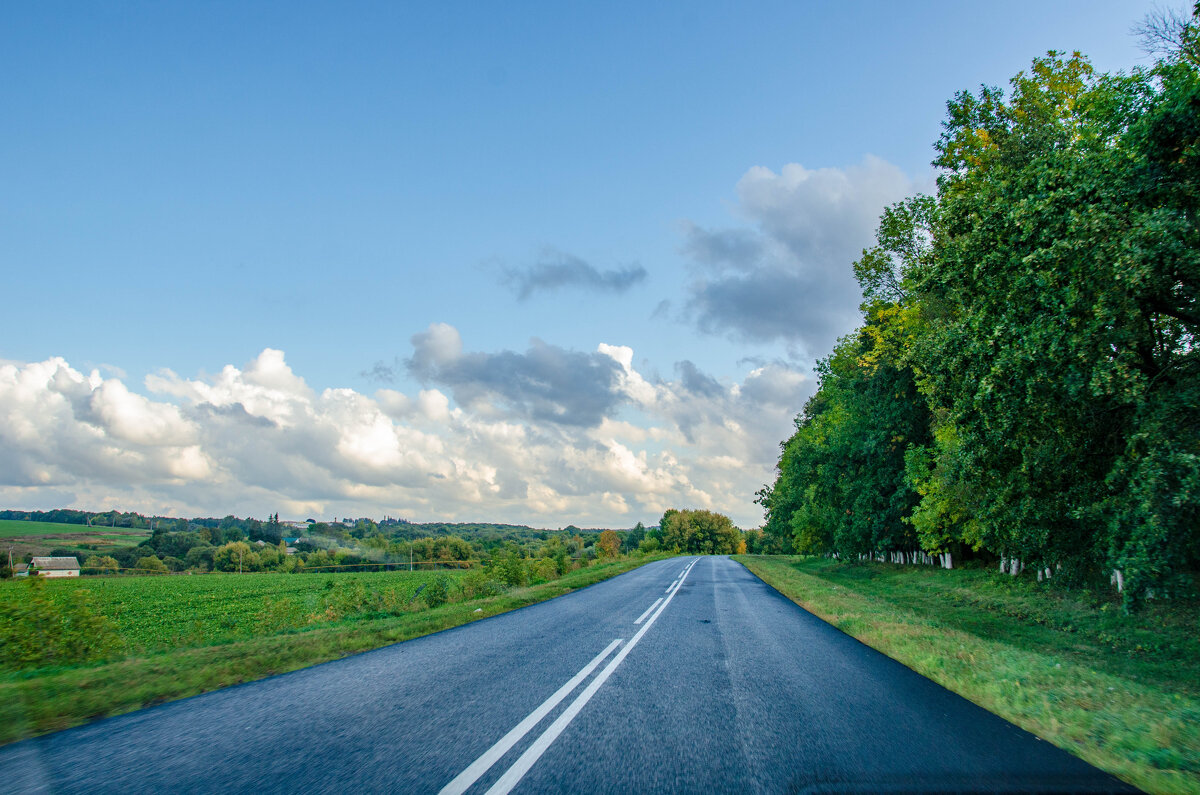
239 561
410 555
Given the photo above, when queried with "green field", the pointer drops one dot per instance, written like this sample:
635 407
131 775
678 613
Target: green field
156 613
172 637
16 528
1121 692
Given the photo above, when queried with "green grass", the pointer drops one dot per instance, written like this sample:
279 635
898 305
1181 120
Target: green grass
17 528
1123 693
265 639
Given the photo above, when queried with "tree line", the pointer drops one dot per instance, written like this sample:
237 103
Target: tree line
1025 384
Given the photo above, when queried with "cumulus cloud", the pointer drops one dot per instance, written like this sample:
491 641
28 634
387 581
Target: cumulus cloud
787 277
557 269
522 448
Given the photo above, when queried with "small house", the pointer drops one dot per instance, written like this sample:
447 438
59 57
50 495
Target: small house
56 567
21 570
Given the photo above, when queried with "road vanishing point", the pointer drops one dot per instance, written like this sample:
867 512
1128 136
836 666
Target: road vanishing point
684 675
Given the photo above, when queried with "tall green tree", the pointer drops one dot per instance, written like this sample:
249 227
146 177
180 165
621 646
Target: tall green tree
1062 302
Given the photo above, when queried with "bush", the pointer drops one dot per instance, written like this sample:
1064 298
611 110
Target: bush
100 564
436 593
36 632
478 584
510 570
151 565
544 569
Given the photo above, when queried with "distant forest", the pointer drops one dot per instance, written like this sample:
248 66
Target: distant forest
232 543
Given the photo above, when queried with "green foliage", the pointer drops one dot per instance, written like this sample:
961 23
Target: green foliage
437 592
37 630
479 584
509 569
150 564
699 532
608 545
99 564
1026 382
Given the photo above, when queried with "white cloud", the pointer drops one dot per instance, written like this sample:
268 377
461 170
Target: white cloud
256 440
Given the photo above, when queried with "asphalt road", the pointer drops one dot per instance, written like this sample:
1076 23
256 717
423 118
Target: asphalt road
686 675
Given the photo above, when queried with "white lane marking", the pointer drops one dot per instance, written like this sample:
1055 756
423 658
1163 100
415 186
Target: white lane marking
527 760
465 779
648 609
672 585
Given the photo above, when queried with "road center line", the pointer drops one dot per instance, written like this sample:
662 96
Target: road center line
481 765
672 585
527 760
648 609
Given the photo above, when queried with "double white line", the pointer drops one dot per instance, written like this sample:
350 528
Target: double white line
465 779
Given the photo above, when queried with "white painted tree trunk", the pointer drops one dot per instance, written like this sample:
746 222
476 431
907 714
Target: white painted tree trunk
1118 579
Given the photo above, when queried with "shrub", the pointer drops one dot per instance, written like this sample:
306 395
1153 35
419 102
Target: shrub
36 632
437 592
151 565
100 564
544 569
510 570
478 584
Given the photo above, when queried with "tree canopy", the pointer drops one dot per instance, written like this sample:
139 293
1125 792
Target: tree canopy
1025 383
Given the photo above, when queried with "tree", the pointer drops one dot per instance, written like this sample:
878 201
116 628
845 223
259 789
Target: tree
100 564
608 545
150 564
1026 381
698 531
633 538
235 556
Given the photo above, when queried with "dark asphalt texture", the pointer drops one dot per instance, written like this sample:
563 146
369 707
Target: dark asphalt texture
733 688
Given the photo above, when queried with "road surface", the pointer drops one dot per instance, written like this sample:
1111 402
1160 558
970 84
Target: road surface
685 675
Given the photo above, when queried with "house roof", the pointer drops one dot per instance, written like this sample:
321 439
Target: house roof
55 564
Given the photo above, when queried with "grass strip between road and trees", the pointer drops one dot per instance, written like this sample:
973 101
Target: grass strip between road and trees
50 699
1120 692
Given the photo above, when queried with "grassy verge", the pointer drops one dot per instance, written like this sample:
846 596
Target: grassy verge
49 699
1122 693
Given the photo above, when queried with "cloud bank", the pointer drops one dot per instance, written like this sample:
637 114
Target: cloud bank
546 437
788 277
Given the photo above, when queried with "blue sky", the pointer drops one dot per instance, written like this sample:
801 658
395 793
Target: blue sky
445 224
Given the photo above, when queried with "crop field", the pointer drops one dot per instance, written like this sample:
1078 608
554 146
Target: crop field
156 613
16 528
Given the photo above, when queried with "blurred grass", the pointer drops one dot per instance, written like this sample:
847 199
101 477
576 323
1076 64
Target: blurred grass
1121 692
47 699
